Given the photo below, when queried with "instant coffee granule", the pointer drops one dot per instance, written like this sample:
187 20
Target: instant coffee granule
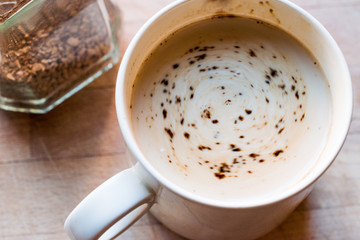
46 55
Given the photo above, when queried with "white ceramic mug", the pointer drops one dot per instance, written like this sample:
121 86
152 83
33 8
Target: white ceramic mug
124 198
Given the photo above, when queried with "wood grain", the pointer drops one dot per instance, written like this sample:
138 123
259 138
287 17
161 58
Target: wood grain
48 163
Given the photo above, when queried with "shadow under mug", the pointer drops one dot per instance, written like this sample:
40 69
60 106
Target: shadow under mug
119 202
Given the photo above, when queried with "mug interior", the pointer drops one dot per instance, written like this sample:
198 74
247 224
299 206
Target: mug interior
282 14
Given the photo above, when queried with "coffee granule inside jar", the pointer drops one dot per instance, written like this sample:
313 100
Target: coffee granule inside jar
46 55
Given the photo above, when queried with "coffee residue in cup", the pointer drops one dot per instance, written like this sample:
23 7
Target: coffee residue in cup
233 97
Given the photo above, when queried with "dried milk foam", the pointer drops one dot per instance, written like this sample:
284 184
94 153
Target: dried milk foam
231 109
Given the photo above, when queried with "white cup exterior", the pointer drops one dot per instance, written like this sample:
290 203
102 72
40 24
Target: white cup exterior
186 213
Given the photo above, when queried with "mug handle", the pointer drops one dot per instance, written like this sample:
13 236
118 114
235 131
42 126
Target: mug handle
111 208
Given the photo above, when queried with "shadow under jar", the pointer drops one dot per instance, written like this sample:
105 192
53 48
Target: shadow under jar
51 49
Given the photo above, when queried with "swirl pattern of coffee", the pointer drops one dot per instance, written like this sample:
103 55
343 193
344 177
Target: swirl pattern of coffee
231 108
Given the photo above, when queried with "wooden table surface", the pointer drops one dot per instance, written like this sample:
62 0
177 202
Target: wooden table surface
48 163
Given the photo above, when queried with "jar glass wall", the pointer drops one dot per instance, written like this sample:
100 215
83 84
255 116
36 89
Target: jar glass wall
50 49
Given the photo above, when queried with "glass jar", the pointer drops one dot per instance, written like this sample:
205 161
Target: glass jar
50 49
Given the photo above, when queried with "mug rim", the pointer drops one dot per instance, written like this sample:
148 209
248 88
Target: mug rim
133 147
